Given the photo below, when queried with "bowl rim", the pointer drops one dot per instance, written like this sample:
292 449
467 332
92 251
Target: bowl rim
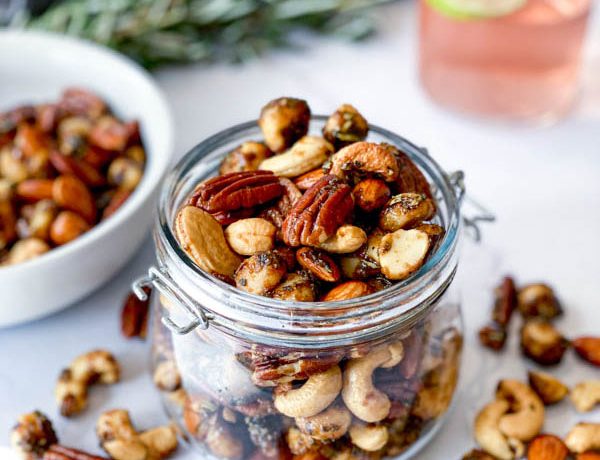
155 170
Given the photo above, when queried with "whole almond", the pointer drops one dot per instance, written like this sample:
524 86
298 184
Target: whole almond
35 189
249 236
72 194
202 238
347 290
589 349
547 447
371 194
66 227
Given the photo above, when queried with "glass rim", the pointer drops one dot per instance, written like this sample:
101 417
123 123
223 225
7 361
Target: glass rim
304 313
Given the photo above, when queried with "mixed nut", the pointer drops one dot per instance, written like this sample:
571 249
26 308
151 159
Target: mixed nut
304 218
64 168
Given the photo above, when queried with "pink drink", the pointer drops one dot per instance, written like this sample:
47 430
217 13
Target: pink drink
521 65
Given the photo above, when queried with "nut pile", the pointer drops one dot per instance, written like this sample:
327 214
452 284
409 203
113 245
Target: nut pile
64 167
305 218
511 425
33 437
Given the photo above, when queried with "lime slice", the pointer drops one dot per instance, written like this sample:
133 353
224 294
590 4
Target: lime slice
477 9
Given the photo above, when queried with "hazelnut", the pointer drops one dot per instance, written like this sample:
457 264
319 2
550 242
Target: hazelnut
247 157
283 121
345 126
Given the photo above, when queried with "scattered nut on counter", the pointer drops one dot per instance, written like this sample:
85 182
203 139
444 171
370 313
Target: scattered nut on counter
64 168
98 366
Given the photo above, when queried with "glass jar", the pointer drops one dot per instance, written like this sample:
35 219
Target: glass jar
247 376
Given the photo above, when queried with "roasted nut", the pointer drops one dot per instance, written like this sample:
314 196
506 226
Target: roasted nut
166 376
489 436
271 368
202 238
371 194
314 396
229 217
359 394
345 240
547 447
260 273
277 212
307 180
34 189
66 227
410 178
72 133
477 454
246 157
538 300
79 168
345 126
249 236
37 219
27 249
402 253
236 191
526 416
32 435
283 121
134 315
589 349
72 194
406 210
347 290
548 388
297 287
434 231
355 267
331 424
8 220
365 159
505 301
96 366
33 147
57 452
586 395
493 336
298 442
221 441
11 167
109 133
78 101
588 456
116 201
583 437
319 213
125 173
318 263
369 437
121 441
306 154
541 342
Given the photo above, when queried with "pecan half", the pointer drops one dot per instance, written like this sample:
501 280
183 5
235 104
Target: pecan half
236 190
319 213
277 212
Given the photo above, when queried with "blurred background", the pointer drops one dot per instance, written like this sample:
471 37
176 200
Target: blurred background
506 90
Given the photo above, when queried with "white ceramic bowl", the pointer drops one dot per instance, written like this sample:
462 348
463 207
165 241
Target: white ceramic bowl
36 67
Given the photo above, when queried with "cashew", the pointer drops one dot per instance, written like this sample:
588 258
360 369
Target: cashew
369 437
346 239
71 390
315 395
32 436
488 435
586 395
359 394
305 155
527 416
366 157
166 376
583 437
328 425
121 441
27 249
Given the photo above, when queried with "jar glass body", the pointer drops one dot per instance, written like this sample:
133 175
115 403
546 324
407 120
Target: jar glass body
259 378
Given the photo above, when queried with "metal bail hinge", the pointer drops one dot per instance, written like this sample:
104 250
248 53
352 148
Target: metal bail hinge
478 213
165 285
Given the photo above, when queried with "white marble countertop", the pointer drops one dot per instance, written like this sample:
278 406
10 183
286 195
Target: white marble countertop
543 184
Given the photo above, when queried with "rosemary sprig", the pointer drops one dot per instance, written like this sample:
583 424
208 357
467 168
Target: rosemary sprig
156 32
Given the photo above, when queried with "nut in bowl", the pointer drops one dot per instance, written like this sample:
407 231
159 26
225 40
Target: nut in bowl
81 156
315 332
